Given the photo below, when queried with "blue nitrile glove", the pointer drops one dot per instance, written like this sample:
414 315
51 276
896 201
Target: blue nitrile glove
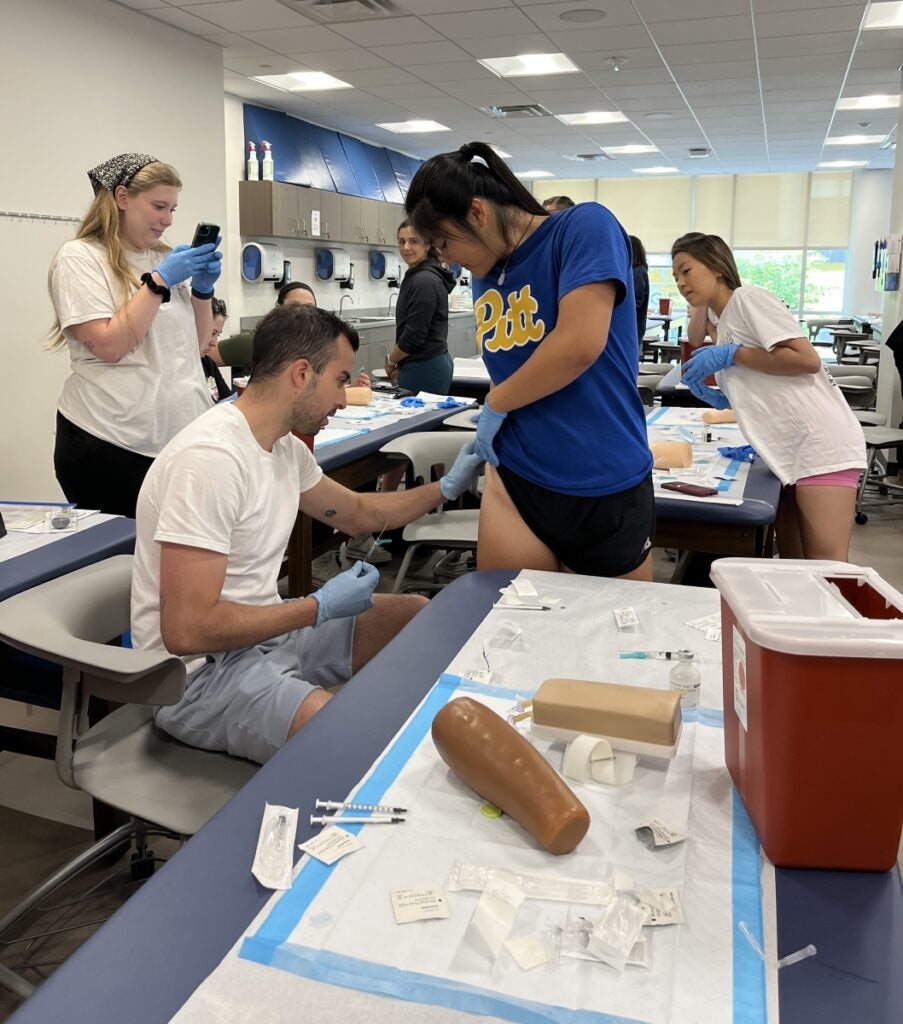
475 418
183 261
742 452
349 593
488 426
706 360
203 281
412 402
711 396
462 474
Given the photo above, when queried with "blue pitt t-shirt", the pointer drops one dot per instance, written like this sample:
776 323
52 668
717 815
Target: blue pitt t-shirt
589 438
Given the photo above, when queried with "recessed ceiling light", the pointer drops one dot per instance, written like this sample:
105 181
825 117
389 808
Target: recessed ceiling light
879 102
889 15
534 174
655 170
530 64
843 163
658 115
627 150
413 127
593 117
854 140
582 14
303 81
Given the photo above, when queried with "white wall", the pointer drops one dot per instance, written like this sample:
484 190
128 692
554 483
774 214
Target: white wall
869 219
83 82
256 299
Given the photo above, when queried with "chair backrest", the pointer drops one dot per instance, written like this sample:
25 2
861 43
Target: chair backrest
428 448
841 370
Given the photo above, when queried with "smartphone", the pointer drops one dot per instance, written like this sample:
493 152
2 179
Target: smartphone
697 490
204 234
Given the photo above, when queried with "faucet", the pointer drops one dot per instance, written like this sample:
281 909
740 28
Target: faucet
342 300
393 295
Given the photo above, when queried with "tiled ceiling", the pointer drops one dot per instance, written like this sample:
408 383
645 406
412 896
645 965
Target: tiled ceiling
756 83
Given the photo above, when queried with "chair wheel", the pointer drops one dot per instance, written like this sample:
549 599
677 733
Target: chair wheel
861 518
142 866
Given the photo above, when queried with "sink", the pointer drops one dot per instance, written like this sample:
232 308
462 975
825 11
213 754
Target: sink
369 319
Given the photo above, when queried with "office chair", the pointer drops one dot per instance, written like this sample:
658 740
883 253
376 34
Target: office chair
123 760
453 530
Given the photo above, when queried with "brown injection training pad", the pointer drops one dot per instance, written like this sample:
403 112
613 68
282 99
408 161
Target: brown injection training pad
719 416
635 713
495 760
672 454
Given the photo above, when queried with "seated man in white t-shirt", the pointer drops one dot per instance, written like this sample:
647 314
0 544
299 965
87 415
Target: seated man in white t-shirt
214 518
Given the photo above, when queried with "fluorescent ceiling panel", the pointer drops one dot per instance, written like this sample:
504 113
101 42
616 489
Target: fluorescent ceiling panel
530 64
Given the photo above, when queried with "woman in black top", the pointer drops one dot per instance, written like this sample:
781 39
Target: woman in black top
640 286
211 360
419 360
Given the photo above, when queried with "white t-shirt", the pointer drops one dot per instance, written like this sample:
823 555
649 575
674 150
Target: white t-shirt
801 425
214 487
144 400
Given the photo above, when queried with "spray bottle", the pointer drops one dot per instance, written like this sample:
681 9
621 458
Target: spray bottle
267 161
253 167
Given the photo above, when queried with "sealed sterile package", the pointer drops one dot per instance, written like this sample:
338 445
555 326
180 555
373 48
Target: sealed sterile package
616 931
275 854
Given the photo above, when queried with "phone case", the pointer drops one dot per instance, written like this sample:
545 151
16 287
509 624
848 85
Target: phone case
204 234
697 490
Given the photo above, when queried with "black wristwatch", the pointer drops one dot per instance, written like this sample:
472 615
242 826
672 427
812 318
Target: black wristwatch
157 289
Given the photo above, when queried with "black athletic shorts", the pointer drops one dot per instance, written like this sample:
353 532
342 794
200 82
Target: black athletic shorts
605 536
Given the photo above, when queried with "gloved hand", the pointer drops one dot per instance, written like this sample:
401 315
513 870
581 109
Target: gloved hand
706 360
203 281
183 261
487 427
349 593
711 396
462 474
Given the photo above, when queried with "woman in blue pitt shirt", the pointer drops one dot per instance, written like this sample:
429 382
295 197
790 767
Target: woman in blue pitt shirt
563 425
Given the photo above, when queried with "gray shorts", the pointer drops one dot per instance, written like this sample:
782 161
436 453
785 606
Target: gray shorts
244 701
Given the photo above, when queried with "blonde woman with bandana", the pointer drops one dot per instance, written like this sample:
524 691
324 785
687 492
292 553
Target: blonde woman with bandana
135 316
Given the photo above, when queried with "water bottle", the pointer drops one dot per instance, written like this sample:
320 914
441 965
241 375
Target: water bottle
685 679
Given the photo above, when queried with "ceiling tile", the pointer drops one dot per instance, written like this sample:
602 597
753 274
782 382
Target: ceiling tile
239 15
425 53
796 22
498 23
547 16
388 32
182 20
691 53
264 64
236 46
300 40
337 61
610 41
422 7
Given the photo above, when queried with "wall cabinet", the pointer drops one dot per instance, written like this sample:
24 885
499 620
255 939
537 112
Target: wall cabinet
274 209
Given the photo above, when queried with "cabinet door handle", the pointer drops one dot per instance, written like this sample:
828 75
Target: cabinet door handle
302 220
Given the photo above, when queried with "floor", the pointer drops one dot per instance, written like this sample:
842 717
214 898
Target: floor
43 824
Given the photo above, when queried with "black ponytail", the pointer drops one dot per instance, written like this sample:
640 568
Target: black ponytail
446 185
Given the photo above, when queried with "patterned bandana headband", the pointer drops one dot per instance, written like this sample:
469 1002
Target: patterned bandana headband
118 171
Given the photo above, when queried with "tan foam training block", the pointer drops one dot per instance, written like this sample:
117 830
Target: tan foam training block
672 454
719 416
636 713
358 396
495 760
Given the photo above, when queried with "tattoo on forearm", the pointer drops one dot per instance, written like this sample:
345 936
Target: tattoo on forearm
329 513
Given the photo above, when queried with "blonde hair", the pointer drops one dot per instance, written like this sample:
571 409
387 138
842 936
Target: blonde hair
101 224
